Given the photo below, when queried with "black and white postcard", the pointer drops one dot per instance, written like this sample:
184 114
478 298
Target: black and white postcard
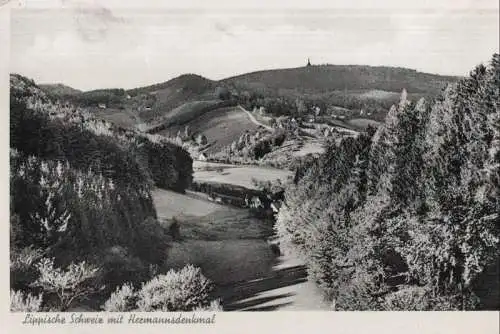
178 164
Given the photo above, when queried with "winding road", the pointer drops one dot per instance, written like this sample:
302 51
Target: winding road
254 120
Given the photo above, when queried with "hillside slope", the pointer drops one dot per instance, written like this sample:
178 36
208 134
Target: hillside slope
159 99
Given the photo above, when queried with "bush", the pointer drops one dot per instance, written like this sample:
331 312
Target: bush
215 306
119 266
22 267
184 290
22 302
69 285
124 299
181 290
151 241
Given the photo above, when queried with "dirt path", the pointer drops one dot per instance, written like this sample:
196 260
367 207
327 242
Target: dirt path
252 118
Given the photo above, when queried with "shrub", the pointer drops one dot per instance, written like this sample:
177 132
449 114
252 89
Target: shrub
422 298
119 266
68 285
122 300
182 290
22 267
22 302
151 241
215 306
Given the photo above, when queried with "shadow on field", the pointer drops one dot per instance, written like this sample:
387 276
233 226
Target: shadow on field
244 296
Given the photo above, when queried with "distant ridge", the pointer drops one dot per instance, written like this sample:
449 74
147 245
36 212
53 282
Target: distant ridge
310 78
321 78
59 89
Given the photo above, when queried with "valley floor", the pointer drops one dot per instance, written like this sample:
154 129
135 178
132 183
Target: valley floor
231 249
240 175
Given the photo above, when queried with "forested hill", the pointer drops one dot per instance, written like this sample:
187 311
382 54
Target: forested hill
60 90
407 217
80 190
324 78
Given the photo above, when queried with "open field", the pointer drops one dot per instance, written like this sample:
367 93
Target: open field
378 94
362 123
216 238
123 118
237 175
204 220
224 261
221 126
182 115
169 204
309 147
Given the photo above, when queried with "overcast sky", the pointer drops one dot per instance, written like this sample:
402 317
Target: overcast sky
88 46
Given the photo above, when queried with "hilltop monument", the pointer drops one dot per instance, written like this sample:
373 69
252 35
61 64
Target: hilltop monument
308 62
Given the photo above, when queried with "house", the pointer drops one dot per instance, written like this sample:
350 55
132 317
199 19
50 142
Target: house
102 106
202 157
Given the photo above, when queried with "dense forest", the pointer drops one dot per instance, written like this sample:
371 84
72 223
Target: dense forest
407 217
83 221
